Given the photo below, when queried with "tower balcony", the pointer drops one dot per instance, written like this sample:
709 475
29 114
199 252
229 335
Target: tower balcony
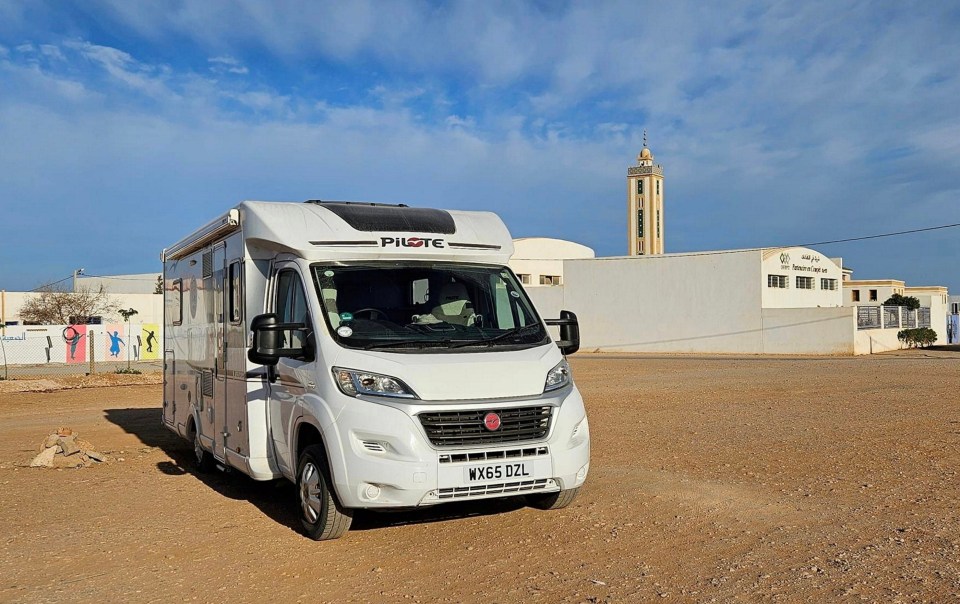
645 170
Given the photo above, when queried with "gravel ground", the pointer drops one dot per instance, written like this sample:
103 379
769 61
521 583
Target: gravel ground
713 479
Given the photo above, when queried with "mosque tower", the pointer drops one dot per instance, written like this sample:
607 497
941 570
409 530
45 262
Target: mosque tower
645 205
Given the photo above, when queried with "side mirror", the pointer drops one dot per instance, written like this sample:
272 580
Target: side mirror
569 341
273 340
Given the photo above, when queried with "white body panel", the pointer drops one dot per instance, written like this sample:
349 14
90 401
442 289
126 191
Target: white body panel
379 453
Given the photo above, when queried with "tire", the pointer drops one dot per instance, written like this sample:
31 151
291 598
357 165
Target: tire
321 515
203 460
553 501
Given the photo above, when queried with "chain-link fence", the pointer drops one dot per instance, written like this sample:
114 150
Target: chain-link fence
34 351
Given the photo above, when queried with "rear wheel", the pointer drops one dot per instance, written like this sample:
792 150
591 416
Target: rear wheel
553 501
320 513
202 459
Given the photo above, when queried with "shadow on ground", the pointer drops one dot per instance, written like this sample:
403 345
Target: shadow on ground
277 499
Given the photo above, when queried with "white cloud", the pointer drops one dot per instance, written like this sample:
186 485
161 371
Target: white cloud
227 64
52 52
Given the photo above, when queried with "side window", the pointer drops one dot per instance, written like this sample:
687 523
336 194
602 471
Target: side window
174 300
291 307
291 300
236 295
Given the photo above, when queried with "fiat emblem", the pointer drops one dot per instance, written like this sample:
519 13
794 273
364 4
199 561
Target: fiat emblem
491 421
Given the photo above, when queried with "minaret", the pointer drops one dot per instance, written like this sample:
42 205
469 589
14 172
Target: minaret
644 205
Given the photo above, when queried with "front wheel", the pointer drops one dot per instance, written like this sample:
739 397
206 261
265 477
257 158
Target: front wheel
553 501
320 513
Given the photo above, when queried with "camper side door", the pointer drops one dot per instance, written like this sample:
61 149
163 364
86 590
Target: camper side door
289 302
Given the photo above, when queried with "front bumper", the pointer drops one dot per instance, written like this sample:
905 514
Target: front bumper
382 457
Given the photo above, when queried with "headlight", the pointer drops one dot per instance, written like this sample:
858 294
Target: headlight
354 383
558 377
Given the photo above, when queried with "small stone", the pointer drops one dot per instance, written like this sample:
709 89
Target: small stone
64 431
50 441
69 445
45 459
95 456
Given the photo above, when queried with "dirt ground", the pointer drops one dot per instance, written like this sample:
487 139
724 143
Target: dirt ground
713 479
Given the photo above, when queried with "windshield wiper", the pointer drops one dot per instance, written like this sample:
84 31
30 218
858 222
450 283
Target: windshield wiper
399 344
507 334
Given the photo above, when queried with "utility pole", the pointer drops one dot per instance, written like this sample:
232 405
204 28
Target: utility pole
76 273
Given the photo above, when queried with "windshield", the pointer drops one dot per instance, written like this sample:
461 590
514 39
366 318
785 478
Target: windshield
416 306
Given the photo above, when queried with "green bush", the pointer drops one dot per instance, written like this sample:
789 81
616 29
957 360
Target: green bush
910 302
919 337
129 370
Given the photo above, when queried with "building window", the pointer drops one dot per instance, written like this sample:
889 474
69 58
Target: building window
855 295
639 186
549 280
779 281
658 223
804 282
830 284
525 279
873 295
956 309
658 187
640 222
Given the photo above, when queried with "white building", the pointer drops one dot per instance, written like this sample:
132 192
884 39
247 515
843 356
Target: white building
775 301
782 301
539 260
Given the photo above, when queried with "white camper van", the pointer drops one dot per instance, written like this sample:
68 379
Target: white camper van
378 356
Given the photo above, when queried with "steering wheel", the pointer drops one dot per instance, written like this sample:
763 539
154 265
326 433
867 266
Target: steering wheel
373 313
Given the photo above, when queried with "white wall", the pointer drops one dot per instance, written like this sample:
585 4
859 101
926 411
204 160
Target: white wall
809 330
692 303
47 344
668 303
547 300
872 341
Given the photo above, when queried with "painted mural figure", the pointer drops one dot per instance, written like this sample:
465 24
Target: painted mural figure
151 338
115 343
72 337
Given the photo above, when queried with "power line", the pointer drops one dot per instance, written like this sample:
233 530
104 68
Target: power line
779 247
152 278
934 228
39 287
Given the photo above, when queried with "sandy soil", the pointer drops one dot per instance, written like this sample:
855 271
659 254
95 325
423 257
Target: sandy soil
714 479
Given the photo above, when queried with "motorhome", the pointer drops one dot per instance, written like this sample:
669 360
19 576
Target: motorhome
378 356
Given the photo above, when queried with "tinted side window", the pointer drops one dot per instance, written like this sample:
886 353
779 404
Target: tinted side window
291 307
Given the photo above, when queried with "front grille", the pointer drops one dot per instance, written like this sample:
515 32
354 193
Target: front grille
459 428
488 455
494 489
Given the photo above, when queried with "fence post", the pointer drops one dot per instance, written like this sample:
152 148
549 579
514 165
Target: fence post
93 368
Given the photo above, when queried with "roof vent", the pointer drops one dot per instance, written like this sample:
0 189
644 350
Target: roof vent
373 217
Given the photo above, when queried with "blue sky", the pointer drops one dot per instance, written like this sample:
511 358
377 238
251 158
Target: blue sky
124 125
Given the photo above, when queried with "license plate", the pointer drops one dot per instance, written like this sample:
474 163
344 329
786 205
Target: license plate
519 470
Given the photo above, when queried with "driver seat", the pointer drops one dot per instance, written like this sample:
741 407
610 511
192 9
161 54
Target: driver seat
454 305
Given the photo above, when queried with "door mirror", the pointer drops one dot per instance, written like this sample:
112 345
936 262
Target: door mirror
273 340
569 341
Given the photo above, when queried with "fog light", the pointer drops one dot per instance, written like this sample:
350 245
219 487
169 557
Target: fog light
372 491
582 472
